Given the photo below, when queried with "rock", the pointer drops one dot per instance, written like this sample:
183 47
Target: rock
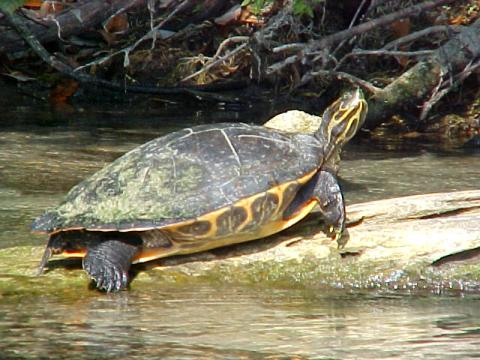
295 121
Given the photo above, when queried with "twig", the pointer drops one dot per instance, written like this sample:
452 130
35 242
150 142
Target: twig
444 87
126 51
354 19
224 43
22 29
216 62
350 78
389 53
418 34
85 14
327 41
292 47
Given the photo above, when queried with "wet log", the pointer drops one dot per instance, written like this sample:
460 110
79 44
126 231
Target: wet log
428 242
425 241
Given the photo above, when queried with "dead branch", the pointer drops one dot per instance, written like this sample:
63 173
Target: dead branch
359 52
421 33
370 88
218 60
18 23
85 15
449 65
445 86
313 46
151 34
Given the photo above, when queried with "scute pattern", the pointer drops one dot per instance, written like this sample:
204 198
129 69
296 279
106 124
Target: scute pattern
183 175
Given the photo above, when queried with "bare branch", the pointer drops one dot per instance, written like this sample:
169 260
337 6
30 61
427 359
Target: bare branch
390 53
85 15
18 24
327 41
224 43
419 34
216 62
348 77
444 87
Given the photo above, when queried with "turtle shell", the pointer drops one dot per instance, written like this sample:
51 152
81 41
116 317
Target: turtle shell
182 176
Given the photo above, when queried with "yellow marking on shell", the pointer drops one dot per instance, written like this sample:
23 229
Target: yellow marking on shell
282 224
75 253
155 253
186 244
245 203
267 230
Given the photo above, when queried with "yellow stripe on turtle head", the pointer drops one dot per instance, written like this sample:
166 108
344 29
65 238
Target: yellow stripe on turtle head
342 119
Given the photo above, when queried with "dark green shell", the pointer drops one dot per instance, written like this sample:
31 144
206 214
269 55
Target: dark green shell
183 175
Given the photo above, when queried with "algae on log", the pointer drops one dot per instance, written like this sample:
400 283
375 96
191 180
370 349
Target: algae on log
393 244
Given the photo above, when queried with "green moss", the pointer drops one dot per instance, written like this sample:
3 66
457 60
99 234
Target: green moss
133 188
18 275
18 278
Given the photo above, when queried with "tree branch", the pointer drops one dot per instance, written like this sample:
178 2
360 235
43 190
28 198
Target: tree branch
18 23
85 15
418 34
326 41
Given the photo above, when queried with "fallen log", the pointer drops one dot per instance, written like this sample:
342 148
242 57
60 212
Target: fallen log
414 241
84 16
427 242
449 65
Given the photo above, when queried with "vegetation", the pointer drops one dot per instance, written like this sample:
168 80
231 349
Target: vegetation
408 55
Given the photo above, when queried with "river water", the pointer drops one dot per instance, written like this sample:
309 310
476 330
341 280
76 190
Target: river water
44 153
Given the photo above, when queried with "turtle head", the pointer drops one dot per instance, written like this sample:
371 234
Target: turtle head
341 120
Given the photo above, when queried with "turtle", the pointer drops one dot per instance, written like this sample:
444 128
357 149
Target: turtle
201 188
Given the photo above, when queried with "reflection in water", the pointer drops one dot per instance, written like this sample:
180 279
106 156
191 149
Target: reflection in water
228 322
39 164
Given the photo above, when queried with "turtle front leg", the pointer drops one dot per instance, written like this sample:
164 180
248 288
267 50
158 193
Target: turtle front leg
330 200
323 188
107 262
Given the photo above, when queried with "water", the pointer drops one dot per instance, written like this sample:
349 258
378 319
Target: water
207 322
43 154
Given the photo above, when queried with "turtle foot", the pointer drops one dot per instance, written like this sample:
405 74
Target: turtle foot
108 262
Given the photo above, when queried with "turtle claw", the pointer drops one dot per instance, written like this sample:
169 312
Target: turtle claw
108 263
107 277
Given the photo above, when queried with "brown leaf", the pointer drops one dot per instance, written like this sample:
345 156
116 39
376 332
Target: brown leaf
400 28
117 24
33 4
63 91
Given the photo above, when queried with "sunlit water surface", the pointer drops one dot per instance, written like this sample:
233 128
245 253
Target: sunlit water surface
42 155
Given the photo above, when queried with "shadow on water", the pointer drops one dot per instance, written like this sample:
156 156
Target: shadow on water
43 153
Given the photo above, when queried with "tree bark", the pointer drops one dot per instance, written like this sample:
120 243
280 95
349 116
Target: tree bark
84 16
416 84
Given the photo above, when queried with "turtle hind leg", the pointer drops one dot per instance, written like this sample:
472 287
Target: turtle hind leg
107 262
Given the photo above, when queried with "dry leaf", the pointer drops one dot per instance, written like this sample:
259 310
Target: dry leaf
63 91
33 4
117 24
